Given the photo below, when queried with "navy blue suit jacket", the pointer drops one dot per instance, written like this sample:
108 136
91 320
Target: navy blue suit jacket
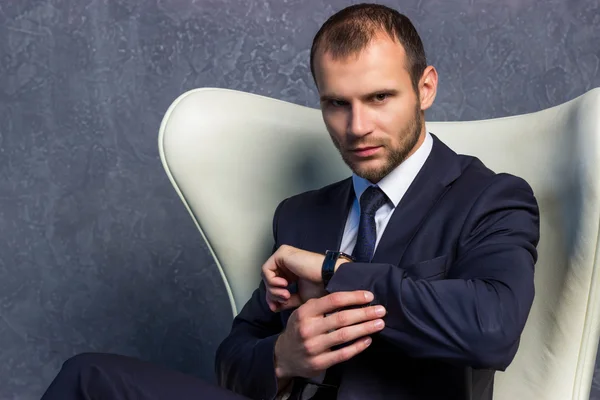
454 269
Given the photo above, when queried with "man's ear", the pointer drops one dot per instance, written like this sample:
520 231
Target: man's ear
428 87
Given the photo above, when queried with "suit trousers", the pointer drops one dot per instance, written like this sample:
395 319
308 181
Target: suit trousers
94 376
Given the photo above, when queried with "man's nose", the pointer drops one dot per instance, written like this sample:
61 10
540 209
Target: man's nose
360 122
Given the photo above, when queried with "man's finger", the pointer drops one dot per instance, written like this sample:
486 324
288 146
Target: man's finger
279 294
330 358
336 301
349 334
271 272
346 335
269 269
277 282
345 318
273 305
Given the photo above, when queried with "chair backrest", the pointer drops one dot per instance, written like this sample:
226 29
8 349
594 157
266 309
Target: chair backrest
233 156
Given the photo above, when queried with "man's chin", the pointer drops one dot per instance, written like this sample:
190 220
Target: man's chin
372 174
368 168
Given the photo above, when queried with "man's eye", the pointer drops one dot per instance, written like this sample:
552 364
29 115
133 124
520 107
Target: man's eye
338 103
381 96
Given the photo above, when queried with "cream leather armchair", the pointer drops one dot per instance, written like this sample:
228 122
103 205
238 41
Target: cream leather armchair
233 156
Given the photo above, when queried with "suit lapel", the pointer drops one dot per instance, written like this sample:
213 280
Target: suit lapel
329 219
441 168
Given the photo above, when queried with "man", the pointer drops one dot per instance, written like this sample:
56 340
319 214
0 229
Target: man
439 285
412 279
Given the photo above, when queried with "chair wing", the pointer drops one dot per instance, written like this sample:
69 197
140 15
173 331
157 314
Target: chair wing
233 156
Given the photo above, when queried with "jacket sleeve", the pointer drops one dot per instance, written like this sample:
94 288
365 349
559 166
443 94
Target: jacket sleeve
245 359
476 315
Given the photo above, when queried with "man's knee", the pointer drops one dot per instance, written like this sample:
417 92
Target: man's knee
83 374
83 361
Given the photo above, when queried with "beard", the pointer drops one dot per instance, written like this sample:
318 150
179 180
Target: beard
396 156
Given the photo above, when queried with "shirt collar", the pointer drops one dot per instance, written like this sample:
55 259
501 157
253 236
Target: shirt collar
396 183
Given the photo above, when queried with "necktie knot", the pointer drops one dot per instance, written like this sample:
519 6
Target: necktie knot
371 200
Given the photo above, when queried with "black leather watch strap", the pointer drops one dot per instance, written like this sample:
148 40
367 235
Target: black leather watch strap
328 267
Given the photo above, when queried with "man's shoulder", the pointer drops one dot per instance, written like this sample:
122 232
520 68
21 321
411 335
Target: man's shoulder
477 178
474 175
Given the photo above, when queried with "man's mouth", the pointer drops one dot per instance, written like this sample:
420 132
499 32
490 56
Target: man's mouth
365 151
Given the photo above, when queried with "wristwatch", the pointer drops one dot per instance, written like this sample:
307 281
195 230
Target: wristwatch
328 267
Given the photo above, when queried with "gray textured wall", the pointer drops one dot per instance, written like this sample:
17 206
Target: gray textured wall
96 251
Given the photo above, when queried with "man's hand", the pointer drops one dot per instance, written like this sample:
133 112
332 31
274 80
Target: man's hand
304 347
287 265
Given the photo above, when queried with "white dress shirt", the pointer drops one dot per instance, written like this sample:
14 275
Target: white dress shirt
394 185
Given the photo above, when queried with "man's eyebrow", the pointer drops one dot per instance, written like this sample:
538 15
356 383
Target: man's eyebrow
328 97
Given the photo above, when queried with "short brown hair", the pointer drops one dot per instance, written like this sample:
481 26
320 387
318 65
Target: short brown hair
350 30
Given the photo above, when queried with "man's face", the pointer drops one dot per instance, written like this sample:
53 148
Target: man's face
370 107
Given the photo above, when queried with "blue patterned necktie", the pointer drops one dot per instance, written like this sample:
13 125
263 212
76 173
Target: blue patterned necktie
371 200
